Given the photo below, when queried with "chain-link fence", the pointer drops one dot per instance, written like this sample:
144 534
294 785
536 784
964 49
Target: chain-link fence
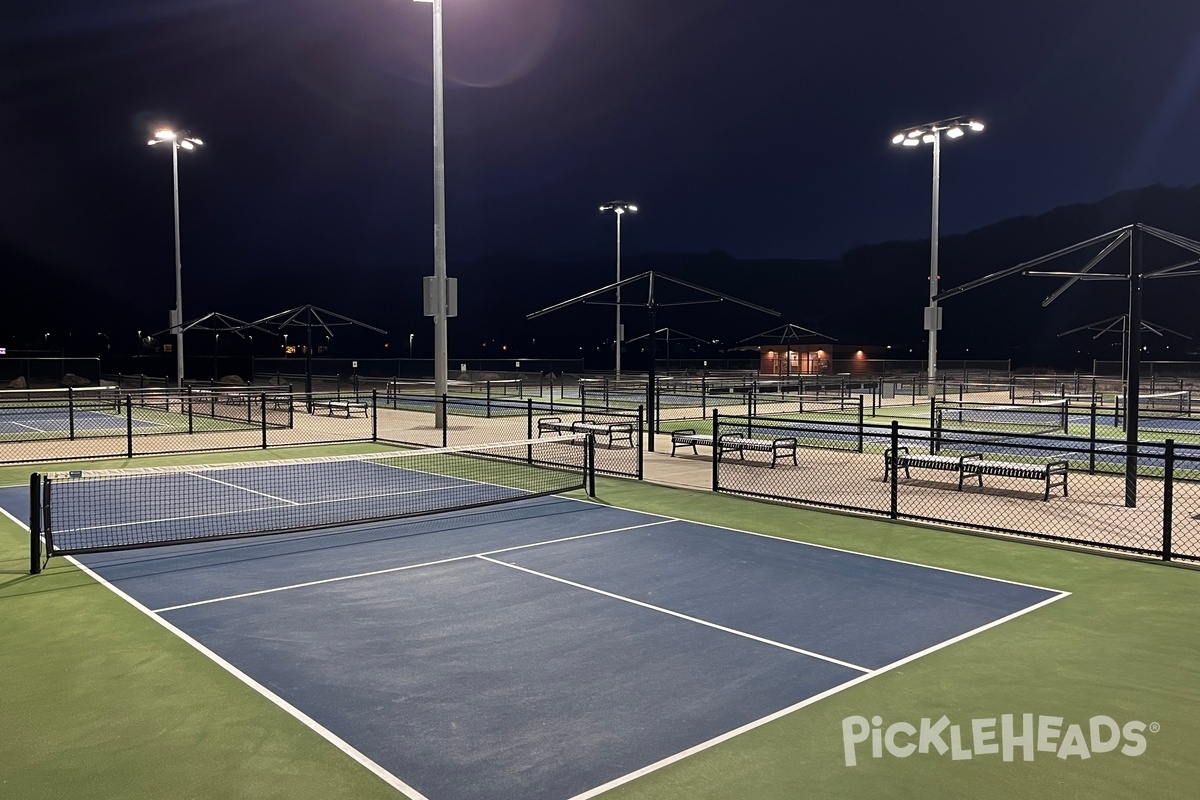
72 424
1142 499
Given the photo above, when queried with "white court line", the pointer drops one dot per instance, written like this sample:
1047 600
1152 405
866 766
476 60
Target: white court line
650 768
831 548
243 488
783 712
389 570
30 427
303 718
678 615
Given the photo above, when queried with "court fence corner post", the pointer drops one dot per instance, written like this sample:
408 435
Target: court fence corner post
529 416
894 487
35 524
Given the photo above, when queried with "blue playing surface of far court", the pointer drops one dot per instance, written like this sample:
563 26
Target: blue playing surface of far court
546 648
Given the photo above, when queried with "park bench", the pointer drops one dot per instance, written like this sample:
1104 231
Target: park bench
1051 473
614 431
348 407
738 443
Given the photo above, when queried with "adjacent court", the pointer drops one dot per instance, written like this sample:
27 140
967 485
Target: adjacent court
545 648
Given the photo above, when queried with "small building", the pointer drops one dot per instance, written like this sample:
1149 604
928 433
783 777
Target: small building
793 350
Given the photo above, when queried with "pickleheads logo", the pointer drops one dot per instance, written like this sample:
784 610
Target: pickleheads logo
1006 736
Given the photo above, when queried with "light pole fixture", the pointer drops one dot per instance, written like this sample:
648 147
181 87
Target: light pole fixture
931 133
177 140
438 295
619 209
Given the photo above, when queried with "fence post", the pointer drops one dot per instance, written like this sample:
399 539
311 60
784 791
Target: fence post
71 410
1092 438
445 415
262 411
529 418
374 414
640 423
128 426
1168 496
894 488
589 460
860 423
716 448
35 523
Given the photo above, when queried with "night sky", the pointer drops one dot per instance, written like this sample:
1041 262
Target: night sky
759 129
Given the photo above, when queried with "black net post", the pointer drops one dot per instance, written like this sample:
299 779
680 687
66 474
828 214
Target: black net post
71 410
1168 496
35 524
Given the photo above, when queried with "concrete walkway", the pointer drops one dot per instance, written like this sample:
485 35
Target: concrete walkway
684 470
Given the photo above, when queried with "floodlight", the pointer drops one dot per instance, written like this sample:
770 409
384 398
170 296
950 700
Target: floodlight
931 133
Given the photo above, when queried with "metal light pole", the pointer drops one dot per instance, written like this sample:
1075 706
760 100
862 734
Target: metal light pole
177 140
438 298
931 133
619 208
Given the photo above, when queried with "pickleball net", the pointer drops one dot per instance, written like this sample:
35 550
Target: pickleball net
1028 419
88 511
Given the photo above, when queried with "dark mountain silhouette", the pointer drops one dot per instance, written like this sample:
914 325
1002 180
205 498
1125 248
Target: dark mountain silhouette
872 295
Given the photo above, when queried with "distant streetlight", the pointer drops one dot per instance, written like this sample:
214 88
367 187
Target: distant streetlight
178 140
439 294
410 346
931 133
619 209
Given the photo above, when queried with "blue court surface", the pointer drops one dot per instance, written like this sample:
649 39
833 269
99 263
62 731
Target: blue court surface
17 421
549 648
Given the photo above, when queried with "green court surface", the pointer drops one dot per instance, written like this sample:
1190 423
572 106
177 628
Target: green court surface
100 701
